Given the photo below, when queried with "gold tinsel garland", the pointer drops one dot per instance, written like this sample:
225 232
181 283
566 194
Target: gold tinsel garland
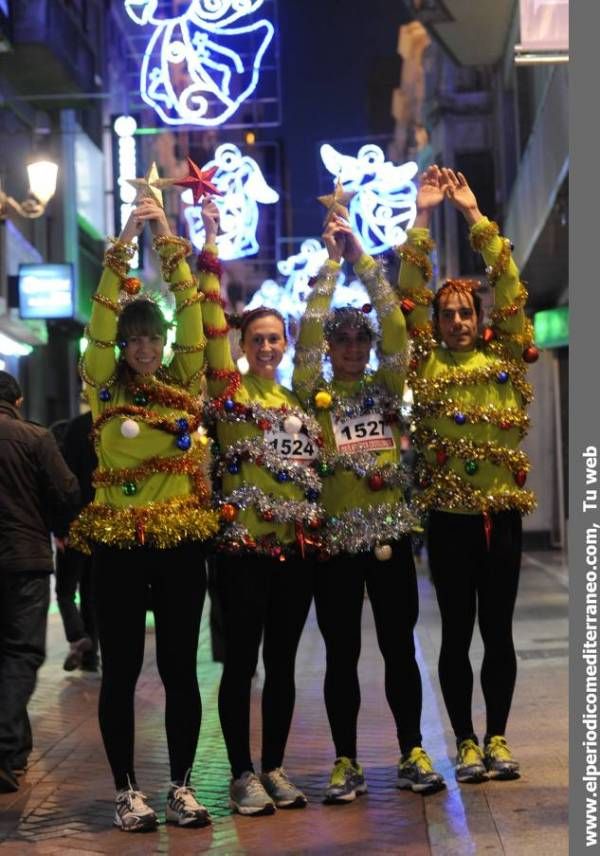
182 249
189 464
107 303
429 389
448 490
466 449
509 417
198 297
183 285
118 256
88 381
481 236
413 256
99 343
162 525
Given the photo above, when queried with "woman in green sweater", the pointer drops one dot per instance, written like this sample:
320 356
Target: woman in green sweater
151 515
368 522
270 518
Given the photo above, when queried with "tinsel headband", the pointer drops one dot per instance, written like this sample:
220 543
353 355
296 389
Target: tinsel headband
349 316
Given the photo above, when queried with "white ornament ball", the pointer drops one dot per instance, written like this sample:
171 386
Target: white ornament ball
383 552
201 430
130 428
292 424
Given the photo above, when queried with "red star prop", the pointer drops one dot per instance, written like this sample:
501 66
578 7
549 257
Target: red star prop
199 181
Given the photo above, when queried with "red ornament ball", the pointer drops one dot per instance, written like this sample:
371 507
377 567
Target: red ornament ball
531 354
315 523
228 512
441 457
520 477
376 481
131 284
504 425
264 424
487 335
366 308
268 516
407 305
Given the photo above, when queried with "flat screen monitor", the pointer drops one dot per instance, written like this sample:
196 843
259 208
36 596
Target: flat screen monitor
46 291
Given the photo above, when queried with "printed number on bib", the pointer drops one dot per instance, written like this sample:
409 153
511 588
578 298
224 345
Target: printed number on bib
295 446
367 433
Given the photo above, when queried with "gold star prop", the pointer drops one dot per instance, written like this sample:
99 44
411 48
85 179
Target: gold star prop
146 186
336 202
198 180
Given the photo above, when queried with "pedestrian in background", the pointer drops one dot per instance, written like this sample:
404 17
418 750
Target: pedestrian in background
73 568
35 484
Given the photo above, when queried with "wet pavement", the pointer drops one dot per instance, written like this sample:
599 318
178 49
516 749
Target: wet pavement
65 803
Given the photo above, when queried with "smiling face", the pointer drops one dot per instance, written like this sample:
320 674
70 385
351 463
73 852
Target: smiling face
264 345
458 321
349 350
143 354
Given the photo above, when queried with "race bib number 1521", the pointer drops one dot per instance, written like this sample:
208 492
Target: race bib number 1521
367 433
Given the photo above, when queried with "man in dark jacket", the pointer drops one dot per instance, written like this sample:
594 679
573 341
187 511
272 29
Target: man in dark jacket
35 484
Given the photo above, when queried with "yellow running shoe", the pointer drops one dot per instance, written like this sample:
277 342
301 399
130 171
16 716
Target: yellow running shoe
346 782
415 772
470 765
498 759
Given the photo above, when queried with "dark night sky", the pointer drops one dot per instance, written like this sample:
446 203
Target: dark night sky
338 68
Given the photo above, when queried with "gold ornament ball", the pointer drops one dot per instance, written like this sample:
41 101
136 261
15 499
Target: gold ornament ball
383 552
323 400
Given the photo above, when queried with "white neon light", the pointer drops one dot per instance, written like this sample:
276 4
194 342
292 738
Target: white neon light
125 128
201 48
11 348
243 185
384 204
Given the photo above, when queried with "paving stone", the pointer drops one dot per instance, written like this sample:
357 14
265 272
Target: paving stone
65 804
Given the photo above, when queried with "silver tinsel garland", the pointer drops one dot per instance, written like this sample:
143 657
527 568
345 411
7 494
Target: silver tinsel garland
279 510
250 449
362 529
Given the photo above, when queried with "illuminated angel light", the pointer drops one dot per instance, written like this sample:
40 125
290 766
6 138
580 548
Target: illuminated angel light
384 203
240 180
201 65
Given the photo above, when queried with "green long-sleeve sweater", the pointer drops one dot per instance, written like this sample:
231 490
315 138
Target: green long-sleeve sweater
363 479
151 484
267 446
469 406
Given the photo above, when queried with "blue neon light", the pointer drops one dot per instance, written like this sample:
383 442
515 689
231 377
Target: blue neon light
384 204
240 180
219 63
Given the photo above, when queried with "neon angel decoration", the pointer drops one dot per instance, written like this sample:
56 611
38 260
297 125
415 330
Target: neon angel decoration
239 178
201 65
383 205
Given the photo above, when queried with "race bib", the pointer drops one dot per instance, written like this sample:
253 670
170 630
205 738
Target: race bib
367 433
295 446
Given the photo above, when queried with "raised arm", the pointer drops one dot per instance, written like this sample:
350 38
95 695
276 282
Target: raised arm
508 317
393 344
99 363
415 269
310 346
222 374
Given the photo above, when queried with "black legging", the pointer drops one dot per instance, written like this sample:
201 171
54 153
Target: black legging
125 583
261 595
471 579
339 595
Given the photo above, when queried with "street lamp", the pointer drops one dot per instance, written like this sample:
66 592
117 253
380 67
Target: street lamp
42 186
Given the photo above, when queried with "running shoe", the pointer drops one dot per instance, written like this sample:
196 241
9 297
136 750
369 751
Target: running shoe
346 782
498 759
184 809
469 762
416 773
283 792
132 812
248 796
